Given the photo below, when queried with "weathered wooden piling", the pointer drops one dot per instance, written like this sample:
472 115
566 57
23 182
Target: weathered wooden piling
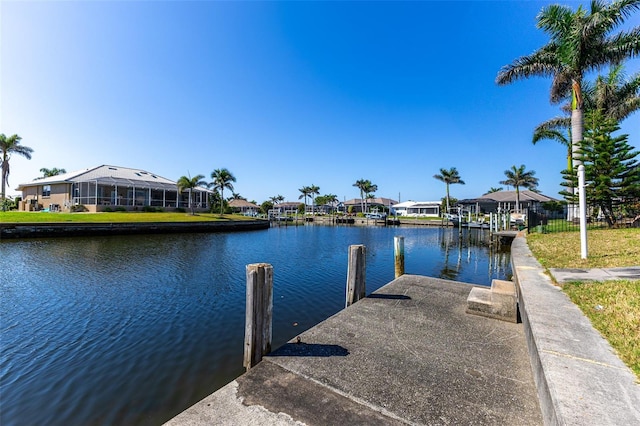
398 254
356 288
259 312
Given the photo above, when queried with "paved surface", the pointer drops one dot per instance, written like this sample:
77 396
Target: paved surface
580 379
596 274
408 354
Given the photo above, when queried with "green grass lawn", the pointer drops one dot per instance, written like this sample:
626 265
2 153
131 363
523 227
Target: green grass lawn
124 217
612 306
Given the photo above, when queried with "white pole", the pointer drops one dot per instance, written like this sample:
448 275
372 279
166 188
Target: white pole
583 212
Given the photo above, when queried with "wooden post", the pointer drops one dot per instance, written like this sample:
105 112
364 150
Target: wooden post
356 288
258 319
398 252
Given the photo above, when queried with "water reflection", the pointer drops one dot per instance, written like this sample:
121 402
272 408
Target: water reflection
134 329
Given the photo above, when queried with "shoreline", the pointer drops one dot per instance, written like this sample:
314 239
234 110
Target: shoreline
53 229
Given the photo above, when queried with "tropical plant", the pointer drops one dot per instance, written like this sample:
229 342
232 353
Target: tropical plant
366 188
331 199
190 183
277 199
266 206
580 42
493 189
222 178
518 177
51 172
369 189
449 177
313 191
361 184
305 192
611 169
10 145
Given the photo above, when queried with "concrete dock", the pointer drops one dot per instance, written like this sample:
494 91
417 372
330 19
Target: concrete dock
407 354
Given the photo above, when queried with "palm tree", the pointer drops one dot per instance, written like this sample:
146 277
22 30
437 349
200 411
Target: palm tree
331 199
369 189
449 177
580 42
51 172
493 189
518 177
361 184
313 191
277 199
305 191
222 178
10 145
190 183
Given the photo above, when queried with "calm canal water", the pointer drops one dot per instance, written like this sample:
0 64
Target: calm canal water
132 330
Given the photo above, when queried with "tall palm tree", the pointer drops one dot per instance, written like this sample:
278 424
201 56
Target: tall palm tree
313 191
304 193
361 184
331 199
10 145
188 183
222 178
51 172
369 189
518 177
449 177
580 42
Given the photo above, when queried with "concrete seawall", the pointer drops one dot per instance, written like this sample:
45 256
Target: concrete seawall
580 379
40 230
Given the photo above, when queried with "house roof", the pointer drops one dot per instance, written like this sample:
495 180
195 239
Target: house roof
242 204
380 201
110 175
510 197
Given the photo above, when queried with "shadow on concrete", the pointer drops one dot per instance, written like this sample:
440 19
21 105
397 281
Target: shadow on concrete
388 296
310 349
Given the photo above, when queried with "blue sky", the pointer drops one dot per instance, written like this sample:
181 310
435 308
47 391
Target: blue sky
283 94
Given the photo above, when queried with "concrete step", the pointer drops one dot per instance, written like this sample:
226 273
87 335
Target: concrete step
497 302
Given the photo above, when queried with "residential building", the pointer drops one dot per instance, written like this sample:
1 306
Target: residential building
108 187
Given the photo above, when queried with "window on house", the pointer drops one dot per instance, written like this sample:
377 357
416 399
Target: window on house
46 191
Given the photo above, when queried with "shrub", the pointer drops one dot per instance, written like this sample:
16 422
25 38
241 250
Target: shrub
180 210
120 209
107 209
78 208
149 209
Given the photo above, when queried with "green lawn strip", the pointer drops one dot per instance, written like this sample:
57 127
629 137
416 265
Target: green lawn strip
113 217
608 248
614 310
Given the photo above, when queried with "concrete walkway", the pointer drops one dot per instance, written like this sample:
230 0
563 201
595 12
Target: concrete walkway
408 354
563 275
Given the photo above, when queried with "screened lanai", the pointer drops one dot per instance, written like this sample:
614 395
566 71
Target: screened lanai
112 186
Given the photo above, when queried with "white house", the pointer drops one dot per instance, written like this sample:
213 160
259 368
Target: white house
417 208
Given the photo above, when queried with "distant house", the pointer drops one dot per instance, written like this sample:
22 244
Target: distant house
103 187
355 205
504 200
244 207
417 208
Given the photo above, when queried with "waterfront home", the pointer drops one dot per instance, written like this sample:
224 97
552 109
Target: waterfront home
244 207
505 201
108 187
355 205
417 208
